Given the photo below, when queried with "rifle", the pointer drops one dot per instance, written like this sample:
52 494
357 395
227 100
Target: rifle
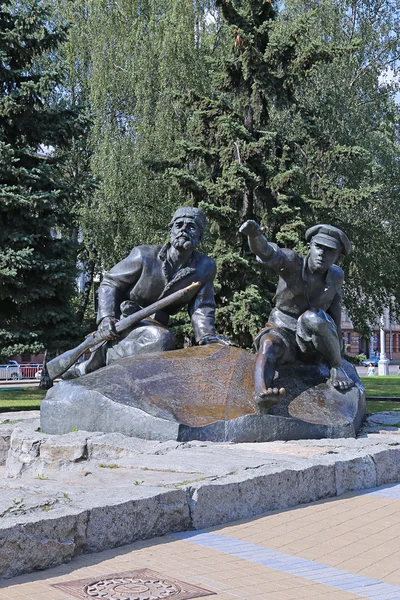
62 363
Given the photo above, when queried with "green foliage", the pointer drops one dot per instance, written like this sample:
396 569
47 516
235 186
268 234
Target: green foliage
244 314
274 111
375 406
345 122
235 164
130 59
355 360
360 358
37 238
300 127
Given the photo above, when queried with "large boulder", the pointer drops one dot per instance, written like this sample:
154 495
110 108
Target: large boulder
202 393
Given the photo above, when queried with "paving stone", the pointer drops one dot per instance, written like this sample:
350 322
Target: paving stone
388 417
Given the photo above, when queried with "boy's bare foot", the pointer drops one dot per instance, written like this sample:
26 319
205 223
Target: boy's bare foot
270 395
339 379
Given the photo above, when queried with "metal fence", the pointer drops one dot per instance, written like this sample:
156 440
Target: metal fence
17 372
29 371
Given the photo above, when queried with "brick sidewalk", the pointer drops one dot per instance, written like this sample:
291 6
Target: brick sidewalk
345 548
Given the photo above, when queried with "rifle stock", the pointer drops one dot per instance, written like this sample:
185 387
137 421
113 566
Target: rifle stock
62 363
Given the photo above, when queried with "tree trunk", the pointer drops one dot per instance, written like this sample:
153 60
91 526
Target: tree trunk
248 197
86 291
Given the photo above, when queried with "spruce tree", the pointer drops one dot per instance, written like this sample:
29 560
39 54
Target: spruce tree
236 166
297 130
37 233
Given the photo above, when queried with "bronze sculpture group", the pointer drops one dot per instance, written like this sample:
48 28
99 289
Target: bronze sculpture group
303 326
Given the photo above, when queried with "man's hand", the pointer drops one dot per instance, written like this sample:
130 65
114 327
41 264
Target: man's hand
216 339
107 329
251 229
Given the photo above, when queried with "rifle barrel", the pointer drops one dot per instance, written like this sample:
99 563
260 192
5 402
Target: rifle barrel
63 362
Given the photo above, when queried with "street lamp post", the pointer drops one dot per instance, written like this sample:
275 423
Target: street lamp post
383 364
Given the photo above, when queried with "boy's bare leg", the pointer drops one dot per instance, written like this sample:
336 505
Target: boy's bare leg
269 352
328 346
322 333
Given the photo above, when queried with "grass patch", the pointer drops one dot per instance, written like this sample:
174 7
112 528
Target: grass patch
374 406
380 385
21 399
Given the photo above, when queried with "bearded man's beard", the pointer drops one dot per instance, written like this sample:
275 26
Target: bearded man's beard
182 242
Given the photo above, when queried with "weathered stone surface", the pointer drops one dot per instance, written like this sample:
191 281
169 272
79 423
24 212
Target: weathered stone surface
246 495
63 501
387 465
311 398
8 422
387 417
151 395
354 473
24 448
37 545
202 393
30 542
29 456
70 448
5 436
386 421
130 519
33 452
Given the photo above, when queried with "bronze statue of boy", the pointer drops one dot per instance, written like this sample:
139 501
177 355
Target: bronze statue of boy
305 323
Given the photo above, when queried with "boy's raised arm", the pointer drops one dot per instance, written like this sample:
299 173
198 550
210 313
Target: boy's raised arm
258 243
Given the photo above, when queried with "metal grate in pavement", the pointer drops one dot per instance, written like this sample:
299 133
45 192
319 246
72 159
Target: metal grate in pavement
141 584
